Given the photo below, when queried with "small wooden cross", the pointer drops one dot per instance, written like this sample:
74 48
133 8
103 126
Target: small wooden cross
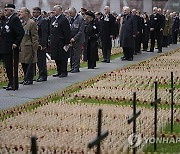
133 119
172 100
33 145
100 136
154 103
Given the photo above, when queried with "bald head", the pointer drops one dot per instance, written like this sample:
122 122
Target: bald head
106 9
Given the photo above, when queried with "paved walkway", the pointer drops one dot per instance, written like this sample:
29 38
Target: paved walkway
37 90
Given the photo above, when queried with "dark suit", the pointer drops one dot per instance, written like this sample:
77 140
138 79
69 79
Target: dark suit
175 29
156 22
138 38
127 41
12 33
2 22
145 34
91 37
77 32
60 35
43 39
107 29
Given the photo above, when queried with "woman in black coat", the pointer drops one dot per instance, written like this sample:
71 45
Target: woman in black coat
146 32
91 37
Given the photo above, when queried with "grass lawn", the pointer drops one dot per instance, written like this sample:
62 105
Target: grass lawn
168 147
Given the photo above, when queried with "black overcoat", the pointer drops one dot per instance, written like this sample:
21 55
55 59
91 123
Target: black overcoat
146 31
60 35
12 33
107 27
128 29
91 37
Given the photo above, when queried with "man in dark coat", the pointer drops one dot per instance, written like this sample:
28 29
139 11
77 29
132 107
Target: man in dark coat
175 27
2 22
91 37
107 32
156 28
42 24
128 33
60 35
11 37
138 38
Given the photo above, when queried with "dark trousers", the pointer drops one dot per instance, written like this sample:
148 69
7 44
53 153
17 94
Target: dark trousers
145 44
165 41
91 63
156 35
61 67
75 55
28 76
11 62
106 48
128 52
169 39
42 65
174 36
138 43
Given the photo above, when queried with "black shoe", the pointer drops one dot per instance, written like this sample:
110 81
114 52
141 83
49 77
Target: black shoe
75 71
56 75
144 50
150 51
90 67
28 82
156 48
130 59
123 58
41 79
107 61
11 88
159 51
62 75
104 61
4 87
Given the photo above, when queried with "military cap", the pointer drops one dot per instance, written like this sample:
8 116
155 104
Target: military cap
90 13
11 6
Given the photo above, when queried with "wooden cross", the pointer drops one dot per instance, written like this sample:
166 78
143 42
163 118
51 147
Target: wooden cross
100 136
33 145
172 100
133 119
154 103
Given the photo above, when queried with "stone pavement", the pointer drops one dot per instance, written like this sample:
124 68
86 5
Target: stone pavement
37 90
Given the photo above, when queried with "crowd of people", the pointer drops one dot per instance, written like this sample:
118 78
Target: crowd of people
26 37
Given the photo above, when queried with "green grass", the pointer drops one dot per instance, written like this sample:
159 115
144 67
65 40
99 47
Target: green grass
167 147
121 103
176 128
163 148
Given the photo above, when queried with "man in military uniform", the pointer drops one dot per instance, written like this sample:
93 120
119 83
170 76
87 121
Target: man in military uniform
11 37
42 25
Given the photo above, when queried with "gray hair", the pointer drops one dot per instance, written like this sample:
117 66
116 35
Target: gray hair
59 7
72 9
